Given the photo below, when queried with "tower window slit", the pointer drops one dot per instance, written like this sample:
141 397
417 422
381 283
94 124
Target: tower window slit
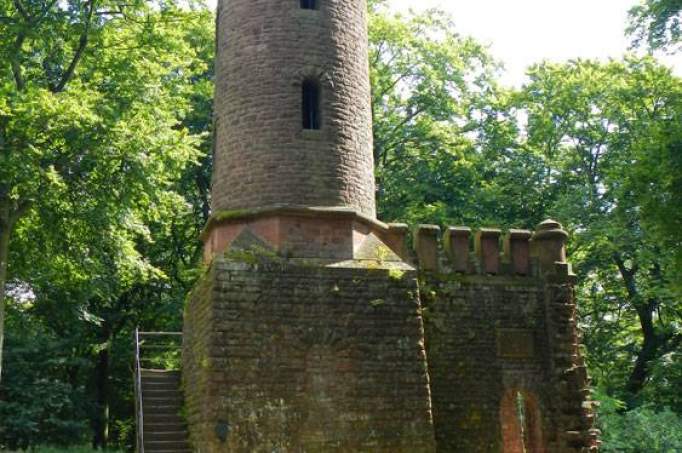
311 105
309 4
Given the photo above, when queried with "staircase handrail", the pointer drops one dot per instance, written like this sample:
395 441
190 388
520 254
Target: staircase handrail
139 413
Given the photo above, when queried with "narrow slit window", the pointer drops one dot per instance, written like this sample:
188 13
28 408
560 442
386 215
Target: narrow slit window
309 4
311 105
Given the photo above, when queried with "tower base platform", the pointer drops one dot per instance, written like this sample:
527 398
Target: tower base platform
293 357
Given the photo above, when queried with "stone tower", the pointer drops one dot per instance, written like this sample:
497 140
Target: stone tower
315 327
306 332
293 142
269 53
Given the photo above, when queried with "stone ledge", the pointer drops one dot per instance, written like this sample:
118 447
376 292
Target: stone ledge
327 234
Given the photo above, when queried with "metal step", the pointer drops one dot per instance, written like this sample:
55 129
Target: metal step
158 446
163 435
159 418
153 392
167 395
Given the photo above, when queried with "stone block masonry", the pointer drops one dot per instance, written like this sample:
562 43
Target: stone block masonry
505 369
485 337
316 328
306 359
476 351
267 49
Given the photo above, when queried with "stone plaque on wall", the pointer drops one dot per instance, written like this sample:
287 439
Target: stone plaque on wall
515 343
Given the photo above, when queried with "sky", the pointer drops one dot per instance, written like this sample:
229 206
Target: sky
523 32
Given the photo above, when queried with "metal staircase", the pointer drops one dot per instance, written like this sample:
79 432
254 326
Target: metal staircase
161 427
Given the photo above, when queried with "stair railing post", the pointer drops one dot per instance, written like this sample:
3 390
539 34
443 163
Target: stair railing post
139 414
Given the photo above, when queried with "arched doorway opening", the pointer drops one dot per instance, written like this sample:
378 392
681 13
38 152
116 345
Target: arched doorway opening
521 423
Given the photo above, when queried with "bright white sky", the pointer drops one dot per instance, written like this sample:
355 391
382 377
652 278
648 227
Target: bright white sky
523 32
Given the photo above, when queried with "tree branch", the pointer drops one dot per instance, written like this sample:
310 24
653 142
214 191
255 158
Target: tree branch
82 44
21 210
22 10
47 8
16 64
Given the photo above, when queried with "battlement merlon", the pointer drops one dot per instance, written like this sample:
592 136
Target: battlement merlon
490 251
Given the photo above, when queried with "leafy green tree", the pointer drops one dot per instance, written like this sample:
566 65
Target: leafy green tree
657 24
595 145
41 398
642 429
599 128
96 147
431 90
85 117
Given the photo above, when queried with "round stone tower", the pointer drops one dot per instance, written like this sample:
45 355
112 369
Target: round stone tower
294 167
292 106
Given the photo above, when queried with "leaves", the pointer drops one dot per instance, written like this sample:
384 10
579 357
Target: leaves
106 162
657 24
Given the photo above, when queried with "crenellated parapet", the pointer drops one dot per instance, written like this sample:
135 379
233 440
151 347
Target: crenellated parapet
490 251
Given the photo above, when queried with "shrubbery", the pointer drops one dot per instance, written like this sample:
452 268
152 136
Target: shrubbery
644 429
38 404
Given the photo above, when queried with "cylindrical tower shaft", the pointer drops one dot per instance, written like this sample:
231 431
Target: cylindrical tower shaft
292 105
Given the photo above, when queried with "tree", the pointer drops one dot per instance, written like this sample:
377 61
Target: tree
657 24
94 146
594 145
431 90
602 130
70 98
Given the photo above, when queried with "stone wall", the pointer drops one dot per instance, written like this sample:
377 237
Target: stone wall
501 336
378 357
293 358
263 157
484 337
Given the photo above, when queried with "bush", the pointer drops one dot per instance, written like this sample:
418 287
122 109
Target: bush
43 410
38 403
78 449
644 429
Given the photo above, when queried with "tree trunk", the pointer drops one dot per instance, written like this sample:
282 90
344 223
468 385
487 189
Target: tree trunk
9 216
651 341
651 344
101 421
5 231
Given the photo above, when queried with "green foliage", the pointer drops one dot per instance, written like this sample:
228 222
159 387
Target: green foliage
657 23
601 132
52 449
40 399
642 429
595 145
104 127
431 87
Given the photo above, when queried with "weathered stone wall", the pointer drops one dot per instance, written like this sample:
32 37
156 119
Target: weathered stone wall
485 336
263 157
284 357
306 359
499 325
